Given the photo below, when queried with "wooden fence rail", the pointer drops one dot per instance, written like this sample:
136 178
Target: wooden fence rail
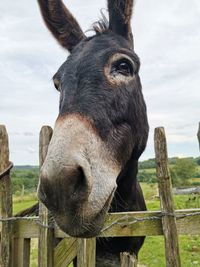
57 249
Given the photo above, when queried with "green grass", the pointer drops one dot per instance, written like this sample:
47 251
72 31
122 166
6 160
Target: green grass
152 252
180 201
34 253
22 203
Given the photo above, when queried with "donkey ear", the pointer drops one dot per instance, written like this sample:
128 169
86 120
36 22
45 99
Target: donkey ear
120 13
61 23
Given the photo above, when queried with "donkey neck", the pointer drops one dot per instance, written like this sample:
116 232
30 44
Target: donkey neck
128 196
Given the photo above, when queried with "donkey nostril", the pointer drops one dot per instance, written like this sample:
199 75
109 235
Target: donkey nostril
58 188
82 179
82 188
77 183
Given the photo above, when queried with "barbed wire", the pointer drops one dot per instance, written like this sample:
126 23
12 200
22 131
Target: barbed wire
123 221
128 220
30 219
7 170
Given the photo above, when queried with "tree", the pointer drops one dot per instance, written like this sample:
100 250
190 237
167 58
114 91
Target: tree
174 176
198 161
183 171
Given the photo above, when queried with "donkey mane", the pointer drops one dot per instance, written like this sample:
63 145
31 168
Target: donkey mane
102 25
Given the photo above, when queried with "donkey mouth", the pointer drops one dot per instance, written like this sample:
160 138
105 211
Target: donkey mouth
76 225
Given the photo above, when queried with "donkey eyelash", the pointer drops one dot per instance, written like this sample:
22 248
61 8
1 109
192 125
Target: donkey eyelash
124 67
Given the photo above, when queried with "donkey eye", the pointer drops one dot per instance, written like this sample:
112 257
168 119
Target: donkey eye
123 67
56 83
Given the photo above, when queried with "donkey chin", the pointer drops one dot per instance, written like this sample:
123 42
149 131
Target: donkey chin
78 178
76 224
78 212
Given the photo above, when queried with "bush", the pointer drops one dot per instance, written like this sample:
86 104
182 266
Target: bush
144 176
147 164
24 181
183 170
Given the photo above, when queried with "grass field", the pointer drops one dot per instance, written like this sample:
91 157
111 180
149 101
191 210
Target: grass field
22 203
152 252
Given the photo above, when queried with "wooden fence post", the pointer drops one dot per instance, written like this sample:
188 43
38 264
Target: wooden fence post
5 201
166 200
86 252
198 135
21 253
45 245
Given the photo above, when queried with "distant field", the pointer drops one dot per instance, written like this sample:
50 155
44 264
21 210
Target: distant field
152 253
151 170
195 181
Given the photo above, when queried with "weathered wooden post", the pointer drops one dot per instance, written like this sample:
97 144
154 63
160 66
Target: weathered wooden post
166 200
21 253
5 200
198 135
86 252
45 245
128 260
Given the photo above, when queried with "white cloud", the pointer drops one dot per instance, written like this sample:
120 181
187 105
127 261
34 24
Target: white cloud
167 39
31 150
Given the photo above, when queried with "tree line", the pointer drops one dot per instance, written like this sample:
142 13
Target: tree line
25 178
182 171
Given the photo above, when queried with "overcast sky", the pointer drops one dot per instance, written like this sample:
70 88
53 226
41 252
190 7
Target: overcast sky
167 39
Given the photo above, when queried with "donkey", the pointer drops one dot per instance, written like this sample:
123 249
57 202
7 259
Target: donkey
101 130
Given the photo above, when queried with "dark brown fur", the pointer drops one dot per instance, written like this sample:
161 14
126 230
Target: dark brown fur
61 23
120 13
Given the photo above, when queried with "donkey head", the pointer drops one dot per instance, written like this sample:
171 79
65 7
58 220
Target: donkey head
102 120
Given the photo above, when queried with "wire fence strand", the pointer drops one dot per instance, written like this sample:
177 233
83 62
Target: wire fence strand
124 221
